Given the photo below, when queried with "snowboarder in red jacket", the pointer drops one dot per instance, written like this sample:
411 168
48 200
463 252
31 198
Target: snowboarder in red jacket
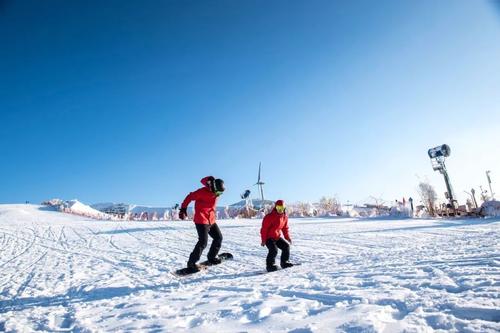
275 223
205 201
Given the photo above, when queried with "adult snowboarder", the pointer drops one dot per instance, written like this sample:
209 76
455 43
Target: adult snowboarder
273 225
205 199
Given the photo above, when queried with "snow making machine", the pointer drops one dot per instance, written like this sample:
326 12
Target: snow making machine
438 156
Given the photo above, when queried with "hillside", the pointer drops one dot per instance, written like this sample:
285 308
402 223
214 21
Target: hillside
62 272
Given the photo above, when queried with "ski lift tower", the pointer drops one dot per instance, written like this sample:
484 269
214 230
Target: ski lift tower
438 155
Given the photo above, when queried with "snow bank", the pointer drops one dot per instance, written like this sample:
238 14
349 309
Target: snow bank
78 208
490 208
400 211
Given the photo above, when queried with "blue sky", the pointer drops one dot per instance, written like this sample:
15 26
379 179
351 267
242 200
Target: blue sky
133 101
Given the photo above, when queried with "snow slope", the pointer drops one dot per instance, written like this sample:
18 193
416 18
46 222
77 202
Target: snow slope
76 207
66 273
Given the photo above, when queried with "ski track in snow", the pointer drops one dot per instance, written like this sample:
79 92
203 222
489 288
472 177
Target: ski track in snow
62 273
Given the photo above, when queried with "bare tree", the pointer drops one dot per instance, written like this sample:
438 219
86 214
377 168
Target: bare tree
378 203
304 209
428 196
329 205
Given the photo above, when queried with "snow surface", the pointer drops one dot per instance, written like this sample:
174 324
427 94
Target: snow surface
62 272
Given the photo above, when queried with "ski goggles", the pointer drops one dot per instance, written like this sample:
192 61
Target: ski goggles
280 209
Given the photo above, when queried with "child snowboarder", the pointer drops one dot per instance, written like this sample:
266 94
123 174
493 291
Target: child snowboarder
205 199
275 223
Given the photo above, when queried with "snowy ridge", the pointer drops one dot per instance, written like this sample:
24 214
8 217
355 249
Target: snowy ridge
131 208
76 207
64 273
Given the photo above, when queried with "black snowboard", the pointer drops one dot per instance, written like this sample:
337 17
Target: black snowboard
223 257
279 269
203 265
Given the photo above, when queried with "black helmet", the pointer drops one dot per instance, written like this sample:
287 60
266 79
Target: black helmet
217 186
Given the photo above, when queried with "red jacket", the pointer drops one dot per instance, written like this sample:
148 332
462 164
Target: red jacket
272 226
205 202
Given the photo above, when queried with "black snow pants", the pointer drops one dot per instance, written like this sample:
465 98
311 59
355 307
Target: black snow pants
273 246
203 231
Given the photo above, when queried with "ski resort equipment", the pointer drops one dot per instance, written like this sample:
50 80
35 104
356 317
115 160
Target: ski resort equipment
289 265
439 151
203 265
438 155
472 195
246 196
489 183
260 184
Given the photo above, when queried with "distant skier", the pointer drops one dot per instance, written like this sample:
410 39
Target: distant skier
273 224
205 199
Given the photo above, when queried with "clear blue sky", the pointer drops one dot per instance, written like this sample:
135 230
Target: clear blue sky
135 101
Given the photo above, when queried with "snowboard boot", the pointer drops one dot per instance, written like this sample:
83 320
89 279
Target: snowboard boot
272 268
214 261
286 264
192 268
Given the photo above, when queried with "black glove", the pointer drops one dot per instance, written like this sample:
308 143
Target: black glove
183 213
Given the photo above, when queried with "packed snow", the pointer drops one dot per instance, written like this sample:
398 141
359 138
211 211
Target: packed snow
62 272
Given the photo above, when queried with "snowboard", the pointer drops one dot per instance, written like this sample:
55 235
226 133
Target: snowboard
279 269
203 265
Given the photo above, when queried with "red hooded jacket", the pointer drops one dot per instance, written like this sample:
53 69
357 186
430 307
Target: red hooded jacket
205 202
272 226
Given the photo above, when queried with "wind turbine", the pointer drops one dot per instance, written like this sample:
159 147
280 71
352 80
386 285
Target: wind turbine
260 184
